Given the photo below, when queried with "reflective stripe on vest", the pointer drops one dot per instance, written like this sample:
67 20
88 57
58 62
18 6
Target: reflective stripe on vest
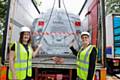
21 62
82 63
18 69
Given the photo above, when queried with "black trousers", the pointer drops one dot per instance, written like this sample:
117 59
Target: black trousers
28 78
78 78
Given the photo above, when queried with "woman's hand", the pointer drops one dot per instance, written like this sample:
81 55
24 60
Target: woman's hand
37 50
58 60
14 76
39 45
72 43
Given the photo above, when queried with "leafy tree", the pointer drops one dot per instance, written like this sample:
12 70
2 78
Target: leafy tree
112 6
3 11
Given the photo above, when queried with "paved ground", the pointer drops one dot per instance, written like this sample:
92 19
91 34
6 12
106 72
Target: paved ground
107 78
112 78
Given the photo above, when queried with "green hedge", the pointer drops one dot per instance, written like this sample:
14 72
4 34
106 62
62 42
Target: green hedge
0 45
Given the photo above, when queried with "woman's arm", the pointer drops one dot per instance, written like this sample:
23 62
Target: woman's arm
74 50
12 58
36 50
11 63
92 64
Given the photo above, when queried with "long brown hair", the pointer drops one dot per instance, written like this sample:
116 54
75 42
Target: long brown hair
21 38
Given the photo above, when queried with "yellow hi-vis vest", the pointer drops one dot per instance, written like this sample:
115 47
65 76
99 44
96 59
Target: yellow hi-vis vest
23 63
83 62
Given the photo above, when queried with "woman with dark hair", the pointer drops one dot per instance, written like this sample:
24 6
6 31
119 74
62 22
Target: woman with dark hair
20 57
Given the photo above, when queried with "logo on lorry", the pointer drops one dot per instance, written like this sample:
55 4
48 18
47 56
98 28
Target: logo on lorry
56 33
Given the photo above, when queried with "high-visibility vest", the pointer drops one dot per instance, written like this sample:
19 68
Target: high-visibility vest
22 63
83 62
3 72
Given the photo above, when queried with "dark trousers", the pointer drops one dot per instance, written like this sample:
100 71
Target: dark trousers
28 78
78 78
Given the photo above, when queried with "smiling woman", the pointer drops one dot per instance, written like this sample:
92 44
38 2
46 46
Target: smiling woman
20 56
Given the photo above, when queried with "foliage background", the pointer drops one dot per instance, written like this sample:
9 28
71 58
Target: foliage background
3 12
112 6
